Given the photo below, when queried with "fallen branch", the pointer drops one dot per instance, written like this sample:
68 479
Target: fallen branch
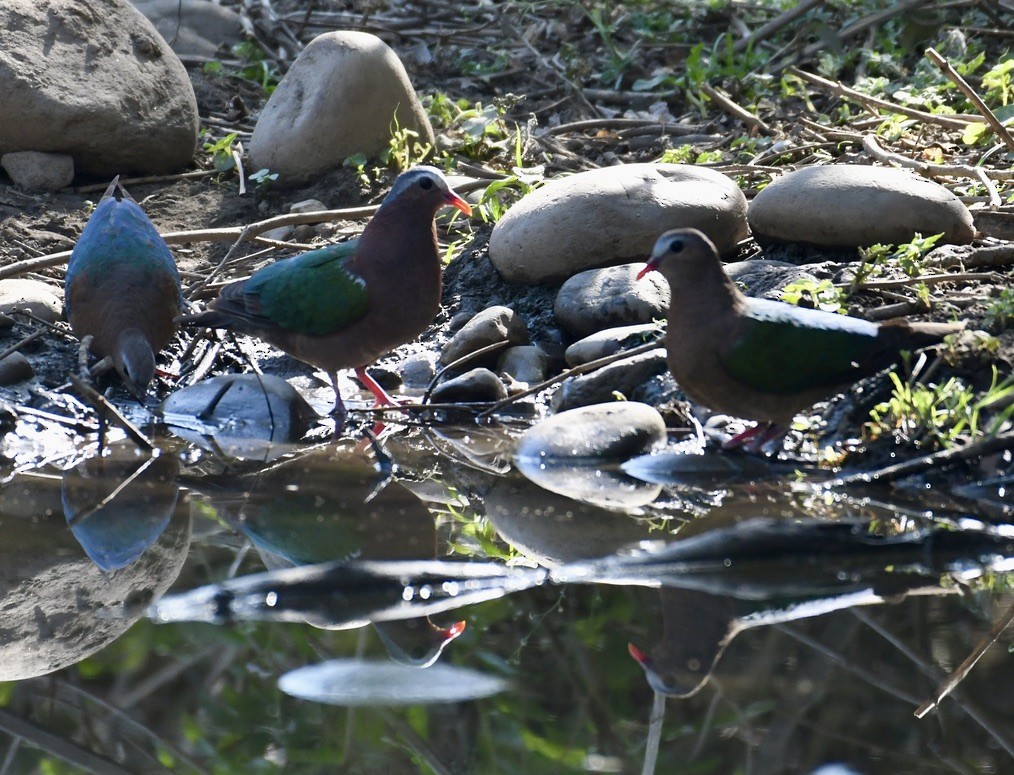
107 411
975 99
735 110
951 122
955 678
933 460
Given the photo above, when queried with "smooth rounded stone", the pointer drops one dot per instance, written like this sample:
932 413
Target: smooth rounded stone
477 385
93 79
600 386
492 325
764 278
525 363
417 370
608 342
842 205
33 296
280 233
618 430
38 171
308 206
340 97
610 215
15 368
243 413
196 28
605 298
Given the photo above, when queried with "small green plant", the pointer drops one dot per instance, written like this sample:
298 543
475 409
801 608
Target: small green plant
404 149
256 66
264 177
500 194
819 294
1000 312
221 151
685 154
910 258
946 415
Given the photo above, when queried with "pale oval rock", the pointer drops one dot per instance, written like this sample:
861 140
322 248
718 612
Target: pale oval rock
611 431
38 171
32 296
605 298
841 205
94 80
525 363
339 98
611 215
609 341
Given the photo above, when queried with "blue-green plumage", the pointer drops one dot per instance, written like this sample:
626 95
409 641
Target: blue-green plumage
122 287
345 305
759 359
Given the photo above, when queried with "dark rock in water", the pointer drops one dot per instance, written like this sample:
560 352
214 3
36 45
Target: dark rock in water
600 386
116 531
564 453
241 412
477 385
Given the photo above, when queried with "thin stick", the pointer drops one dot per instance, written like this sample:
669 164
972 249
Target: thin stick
146 179
654 734
933 460
107 411
27 340
951 682
864 99
975 99
225 234
775 24
735 110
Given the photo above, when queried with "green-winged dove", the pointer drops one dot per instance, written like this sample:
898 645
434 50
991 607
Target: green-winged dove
759 359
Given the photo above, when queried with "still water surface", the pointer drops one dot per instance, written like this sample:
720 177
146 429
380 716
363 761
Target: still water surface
792 629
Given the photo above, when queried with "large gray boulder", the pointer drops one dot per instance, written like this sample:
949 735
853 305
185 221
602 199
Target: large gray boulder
93 79
340 97
611 215
840 205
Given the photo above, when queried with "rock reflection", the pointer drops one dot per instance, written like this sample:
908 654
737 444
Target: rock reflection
118 503
52 591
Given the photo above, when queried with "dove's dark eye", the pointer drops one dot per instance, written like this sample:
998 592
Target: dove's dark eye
426 183
676 246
